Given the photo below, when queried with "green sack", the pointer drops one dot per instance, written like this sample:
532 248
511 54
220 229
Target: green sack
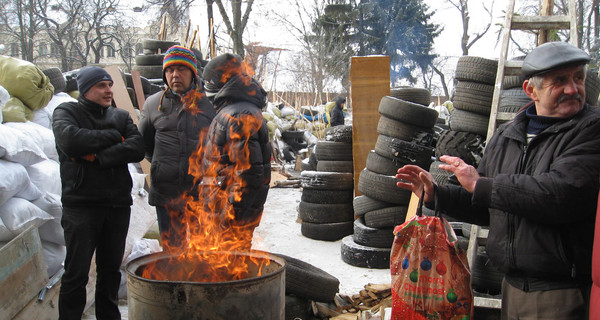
24 80
15 111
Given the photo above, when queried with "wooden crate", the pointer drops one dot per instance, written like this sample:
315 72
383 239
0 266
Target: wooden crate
23 274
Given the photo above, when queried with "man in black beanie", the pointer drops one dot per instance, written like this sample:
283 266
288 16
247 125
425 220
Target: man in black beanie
238 152
95 143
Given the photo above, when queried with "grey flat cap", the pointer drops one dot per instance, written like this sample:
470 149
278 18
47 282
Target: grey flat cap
550 56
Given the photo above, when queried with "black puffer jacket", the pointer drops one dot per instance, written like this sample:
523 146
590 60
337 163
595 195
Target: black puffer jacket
82 128
171 133
541 197
239 126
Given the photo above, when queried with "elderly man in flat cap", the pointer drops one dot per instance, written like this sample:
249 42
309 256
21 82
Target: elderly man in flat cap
95 144
536 188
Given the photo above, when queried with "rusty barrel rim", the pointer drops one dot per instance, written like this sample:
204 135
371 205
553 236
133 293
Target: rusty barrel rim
136 263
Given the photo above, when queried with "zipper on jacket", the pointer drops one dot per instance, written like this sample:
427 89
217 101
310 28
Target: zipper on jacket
511 222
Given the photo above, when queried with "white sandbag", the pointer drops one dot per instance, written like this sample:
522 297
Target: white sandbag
4 97
30 192
55 255
17 146
287 111
43 117
19 214
13 179
46 176
138 180
57 99
51 204
5 234
142 247
42 136
52 231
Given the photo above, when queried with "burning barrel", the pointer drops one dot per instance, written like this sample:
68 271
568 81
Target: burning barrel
260 294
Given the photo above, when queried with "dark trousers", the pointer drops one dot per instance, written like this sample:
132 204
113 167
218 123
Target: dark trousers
103 230
560 304
171 227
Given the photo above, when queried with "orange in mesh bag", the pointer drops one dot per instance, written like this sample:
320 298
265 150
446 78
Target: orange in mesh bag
430 273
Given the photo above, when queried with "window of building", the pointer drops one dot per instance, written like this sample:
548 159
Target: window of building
14 49
43 49
110 51
54 50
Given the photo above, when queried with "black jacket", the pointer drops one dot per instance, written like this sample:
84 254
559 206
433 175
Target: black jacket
337 114
239 126
171 133
539 200
82 128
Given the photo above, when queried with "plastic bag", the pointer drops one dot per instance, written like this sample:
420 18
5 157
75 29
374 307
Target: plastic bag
430 273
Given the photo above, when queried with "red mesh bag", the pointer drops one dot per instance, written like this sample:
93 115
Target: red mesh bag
430 273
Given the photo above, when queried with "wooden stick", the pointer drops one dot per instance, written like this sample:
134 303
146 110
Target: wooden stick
187 30
192 39
162 27
198 44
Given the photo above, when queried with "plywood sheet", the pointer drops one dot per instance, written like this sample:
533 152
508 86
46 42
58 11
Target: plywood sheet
370 81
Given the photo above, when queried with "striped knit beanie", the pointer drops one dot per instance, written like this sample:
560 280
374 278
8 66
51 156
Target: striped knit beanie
178 55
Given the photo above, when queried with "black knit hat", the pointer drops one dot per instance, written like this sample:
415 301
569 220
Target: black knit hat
219 70
89 76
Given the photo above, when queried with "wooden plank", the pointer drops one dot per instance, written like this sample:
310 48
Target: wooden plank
47 309
23 270
413 204
120 94
540 22
137 87
370 81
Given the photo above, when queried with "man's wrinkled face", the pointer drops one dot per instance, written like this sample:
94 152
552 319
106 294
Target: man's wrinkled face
179 78
562 93
101 93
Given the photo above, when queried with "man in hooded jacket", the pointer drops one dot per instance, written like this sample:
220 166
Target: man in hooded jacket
172 124
337 113
238 156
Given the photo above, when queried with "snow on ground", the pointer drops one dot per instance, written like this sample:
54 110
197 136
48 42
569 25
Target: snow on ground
279 232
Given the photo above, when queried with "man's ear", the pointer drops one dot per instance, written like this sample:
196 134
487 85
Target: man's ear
529 90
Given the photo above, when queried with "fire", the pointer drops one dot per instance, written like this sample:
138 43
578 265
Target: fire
213 234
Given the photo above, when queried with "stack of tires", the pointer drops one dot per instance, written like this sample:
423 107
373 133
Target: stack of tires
326 203
149 64
469 120
406 136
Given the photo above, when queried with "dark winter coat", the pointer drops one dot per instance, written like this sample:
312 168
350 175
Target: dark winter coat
337 113
542 200
171 133
239 110
82 128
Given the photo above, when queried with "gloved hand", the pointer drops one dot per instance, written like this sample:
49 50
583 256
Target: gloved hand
89 157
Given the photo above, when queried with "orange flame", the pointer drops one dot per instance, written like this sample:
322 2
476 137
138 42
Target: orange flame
213 235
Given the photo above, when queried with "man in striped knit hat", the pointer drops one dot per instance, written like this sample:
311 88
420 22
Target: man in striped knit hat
171 124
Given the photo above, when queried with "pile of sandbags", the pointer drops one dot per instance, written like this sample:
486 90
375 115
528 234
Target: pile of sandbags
290 131
30 188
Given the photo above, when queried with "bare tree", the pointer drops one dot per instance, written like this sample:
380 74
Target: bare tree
237 23
62 26
20 23
468 39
